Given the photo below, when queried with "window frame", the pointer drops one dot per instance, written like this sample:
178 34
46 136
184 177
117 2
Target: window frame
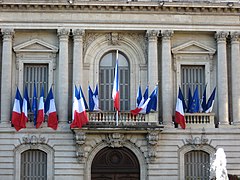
42 147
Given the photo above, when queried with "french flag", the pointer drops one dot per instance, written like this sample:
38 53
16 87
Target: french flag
25 107
210 102
115 91
16 113
150 103
179 113
40 114
93 99
50 110
80 115
139 96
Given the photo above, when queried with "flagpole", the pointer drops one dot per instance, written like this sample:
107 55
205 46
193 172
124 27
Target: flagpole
117 110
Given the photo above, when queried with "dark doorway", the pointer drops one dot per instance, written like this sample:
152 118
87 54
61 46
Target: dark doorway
115 164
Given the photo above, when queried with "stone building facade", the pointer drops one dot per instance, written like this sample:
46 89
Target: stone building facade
62 43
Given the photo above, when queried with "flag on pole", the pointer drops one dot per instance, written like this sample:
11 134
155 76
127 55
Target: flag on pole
195 104
80 115
75 108
150 103
40 115
210 102
115 91
144 98
16 113
34 105
93 99
204 100
139 95
50 110
189 100
25 108
84 100
179 113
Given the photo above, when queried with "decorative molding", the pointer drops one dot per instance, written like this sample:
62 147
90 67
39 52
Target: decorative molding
89 39
115 140
63 34
78 33
152 138
33 139
197 142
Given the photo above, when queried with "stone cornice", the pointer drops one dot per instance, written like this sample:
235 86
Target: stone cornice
136 7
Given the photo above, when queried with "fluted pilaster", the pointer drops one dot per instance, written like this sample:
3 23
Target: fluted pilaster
222 79
62 90
167 81
6 82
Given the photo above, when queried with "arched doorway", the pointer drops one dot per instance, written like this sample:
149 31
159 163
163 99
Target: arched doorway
115 164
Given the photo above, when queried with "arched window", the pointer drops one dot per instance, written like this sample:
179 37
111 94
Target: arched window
33 165
106 78
197 165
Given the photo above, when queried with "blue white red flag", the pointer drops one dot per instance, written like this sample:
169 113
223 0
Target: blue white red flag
189 100
139 95
40 115
144 98
84 100
195 104
115 91
150 103
16 113
34 105
25 108
204 100
80 115
179 113
93 99
75 108
50 110
210 102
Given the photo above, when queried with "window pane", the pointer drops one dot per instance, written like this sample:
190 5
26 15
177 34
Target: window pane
107 66
33 165
197 164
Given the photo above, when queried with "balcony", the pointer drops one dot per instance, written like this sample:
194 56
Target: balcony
198 120
125 119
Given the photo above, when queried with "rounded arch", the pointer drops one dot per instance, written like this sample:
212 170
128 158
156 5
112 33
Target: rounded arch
187 148
100 46
42 147
131 147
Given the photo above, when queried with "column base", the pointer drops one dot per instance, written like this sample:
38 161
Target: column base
5 125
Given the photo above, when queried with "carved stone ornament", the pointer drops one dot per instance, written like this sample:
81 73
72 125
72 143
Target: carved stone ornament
197 142
80 141
221 36
235 36
33 139
152 138
7 34
113 38
166 35
115 140
152 34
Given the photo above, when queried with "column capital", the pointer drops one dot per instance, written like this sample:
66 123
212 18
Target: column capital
63 33
78 32
235 36
7 33
166 34
152 34
221 36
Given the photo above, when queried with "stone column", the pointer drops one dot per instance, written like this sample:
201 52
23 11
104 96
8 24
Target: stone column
63 80
152 58
77 73
6 81
222 78
235 67
167 81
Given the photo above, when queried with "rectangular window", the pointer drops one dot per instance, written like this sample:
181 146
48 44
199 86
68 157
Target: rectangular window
37 73
192 76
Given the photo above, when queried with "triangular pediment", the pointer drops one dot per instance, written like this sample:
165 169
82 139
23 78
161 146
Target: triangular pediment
193 47
35 45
